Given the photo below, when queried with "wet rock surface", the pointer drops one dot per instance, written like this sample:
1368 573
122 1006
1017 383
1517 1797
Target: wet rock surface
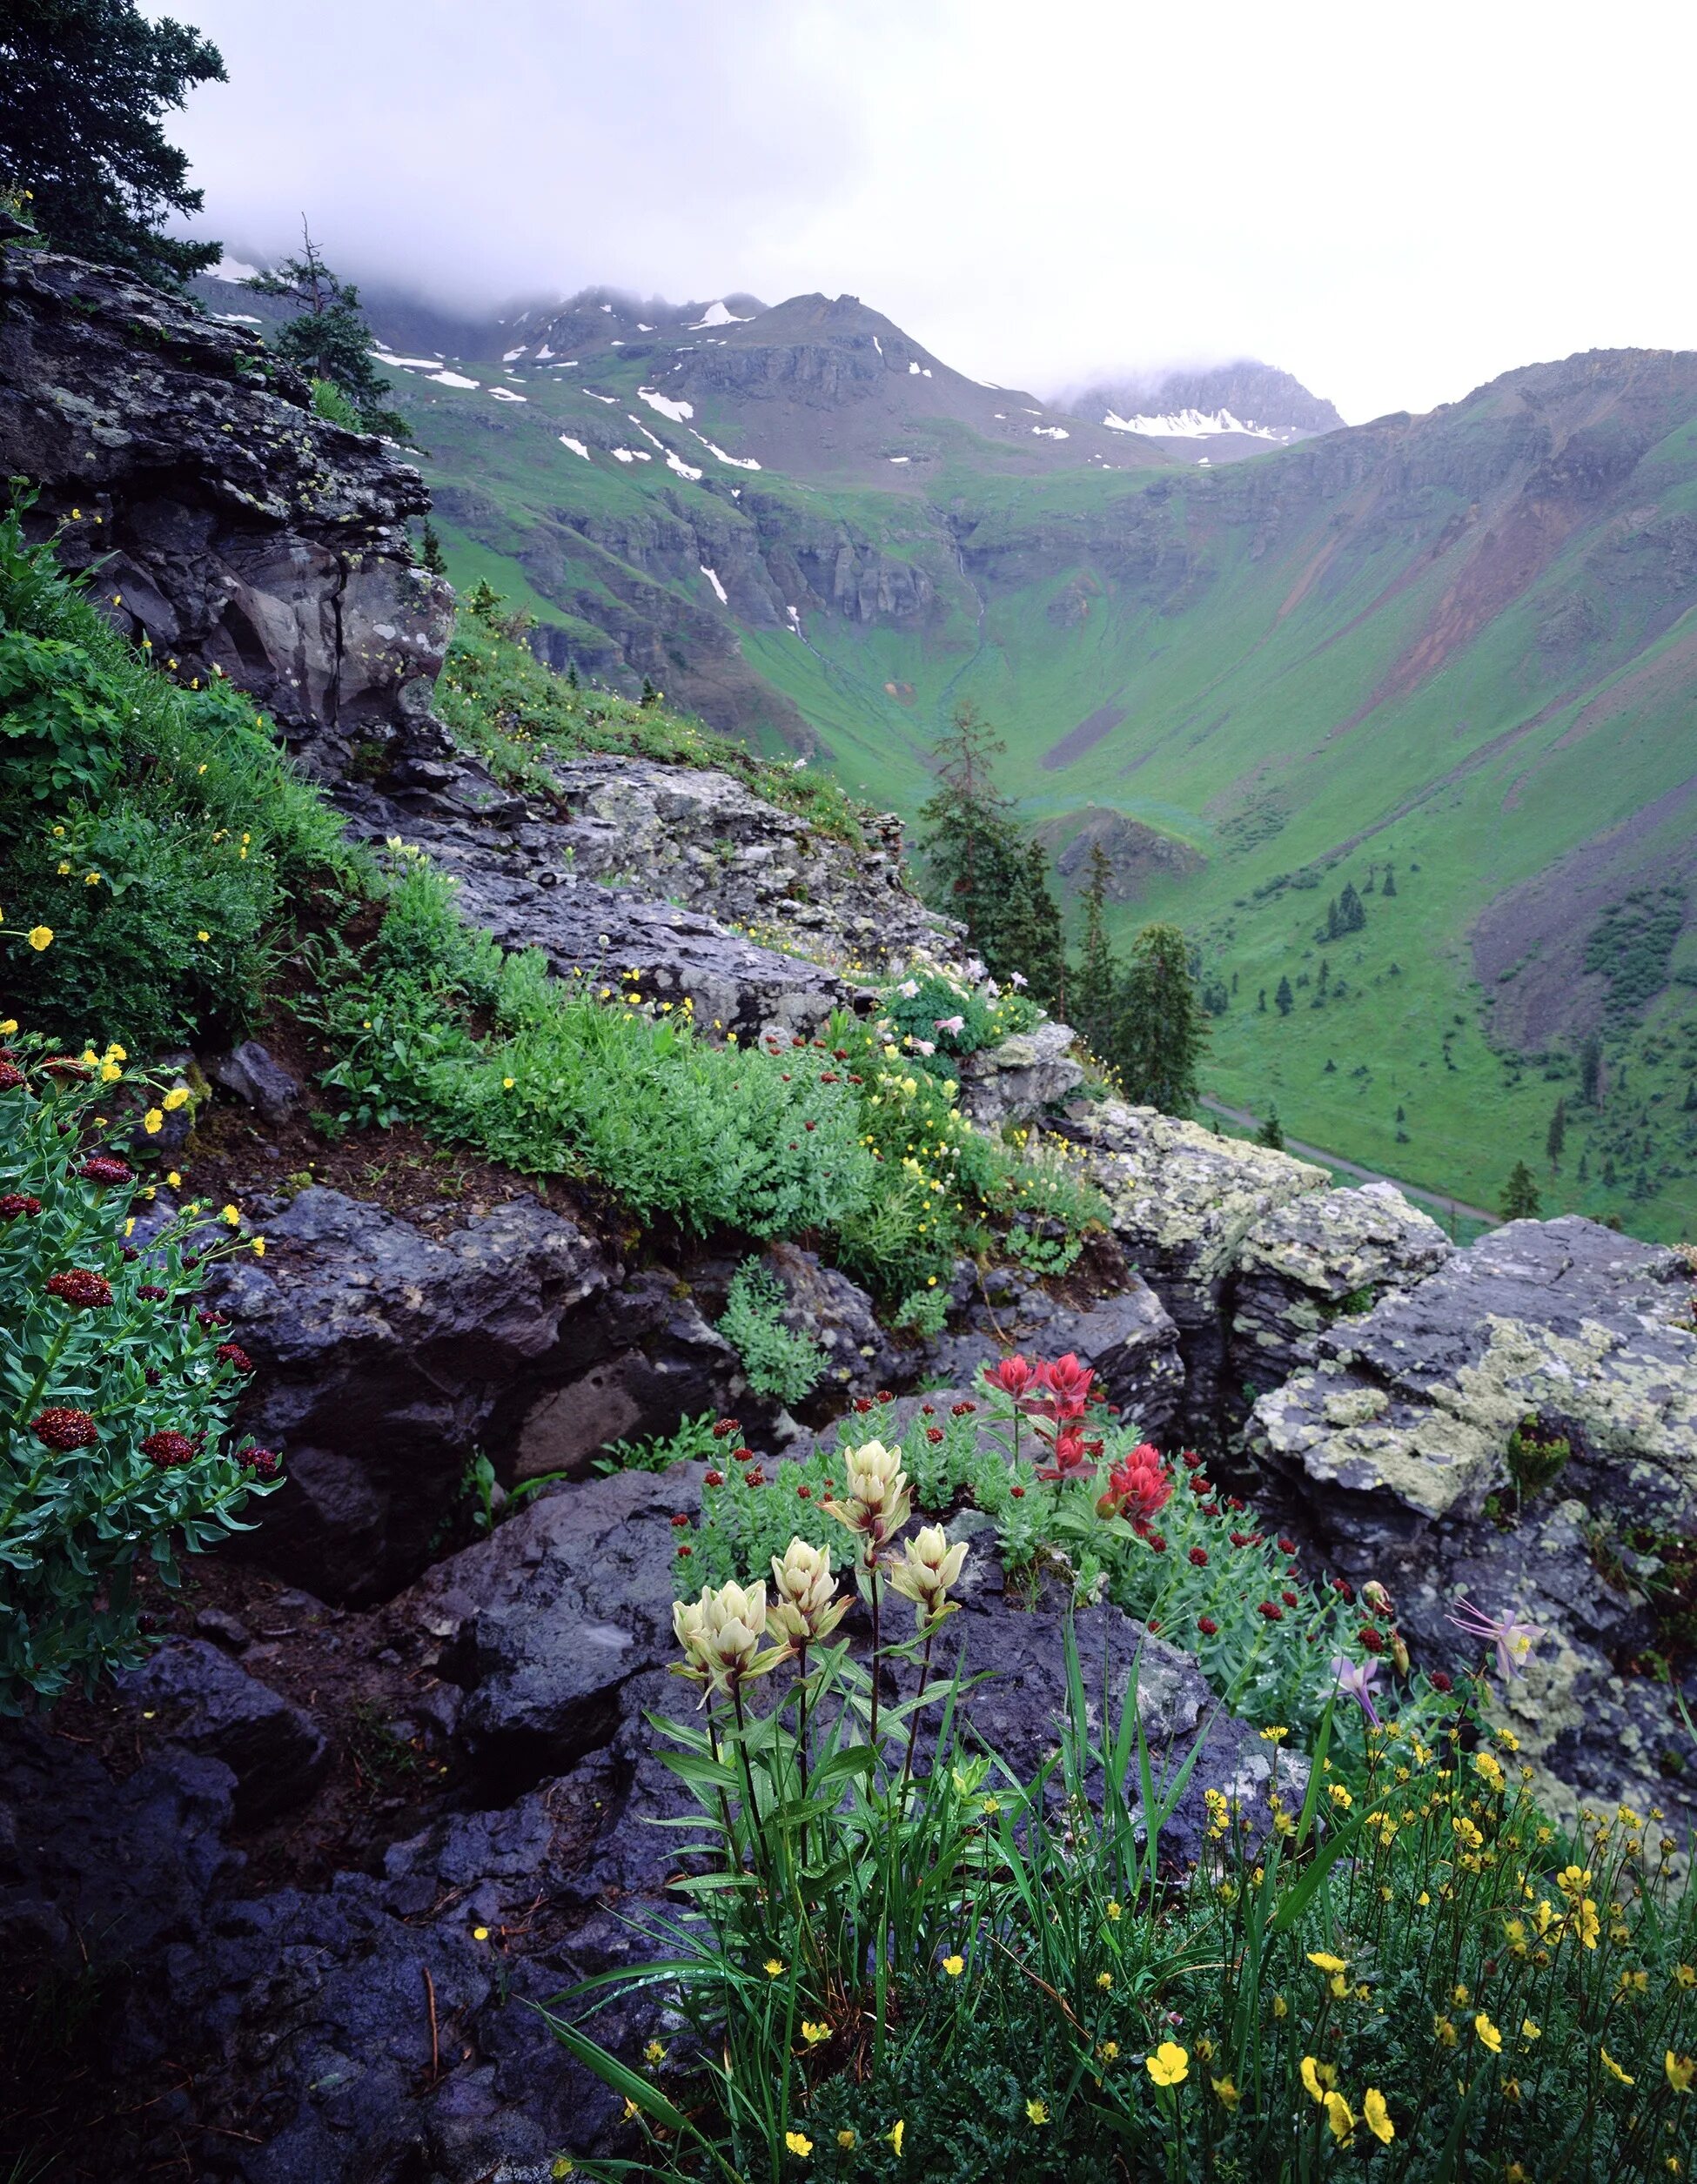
237 531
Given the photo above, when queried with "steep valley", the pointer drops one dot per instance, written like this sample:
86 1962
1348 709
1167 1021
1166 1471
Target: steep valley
1458 647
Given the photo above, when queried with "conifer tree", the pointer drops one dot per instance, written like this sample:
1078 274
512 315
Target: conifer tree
1556 1137
1261 1002
1096 985
1388 885
328 336
1519 1198
1163 1029
430 556
1029 938
1350 915
82 84
1272 1132
1284 1001
1591 1070
969 838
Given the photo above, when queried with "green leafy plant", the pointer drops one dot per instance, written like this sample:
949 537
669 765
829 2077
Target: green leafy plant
116 1394
693 1441
897 1958
1537 1456
779 1362
939 1017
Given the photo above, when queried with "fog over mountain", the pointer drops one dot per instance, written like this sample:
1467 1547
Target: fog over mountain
1388 207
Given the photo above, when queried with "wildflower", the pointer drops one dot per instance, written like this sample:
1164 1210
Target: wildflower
720 1635
1327 1963
1138 1488
1113 1910
1281 2008
878 1502
178 1096
1274 1735
164 1449
18 1201
1105 1980
1170 2065
257 1244
1037 2111
153 1122
1271 1612
798 2143
265 1463
1339 1796
1311 2079
233 1354
929 1566
1610 2063
899 2132
1513 1638
1682 2071
1487 2034
846 2140
103 1168
1199 1558
64 1430
1529 2031
1338 2116
1228 2094
81 1286
1209 1628
40 937
1109 2050
953 1966
1012 1376
1376 2116
231 1216
774 1967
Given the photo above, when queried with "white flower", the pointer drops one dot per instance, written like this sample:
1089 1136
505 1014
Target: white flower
908 988
1017 979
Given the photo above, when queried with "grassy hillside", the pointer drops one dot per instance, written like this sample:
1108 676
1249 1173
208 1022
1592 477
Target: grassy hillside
1459 645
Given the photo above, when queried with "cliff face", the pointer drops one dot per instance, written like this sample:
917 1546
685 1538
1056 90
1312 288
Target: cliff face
235 531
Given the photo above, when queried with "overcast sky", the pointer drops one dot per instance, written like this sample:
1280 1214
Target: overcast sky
1393 202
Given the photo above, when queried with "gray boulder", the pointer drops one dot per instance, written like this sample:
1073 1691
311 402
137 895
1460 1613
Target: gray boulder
254 1075
1015 1082
216 1711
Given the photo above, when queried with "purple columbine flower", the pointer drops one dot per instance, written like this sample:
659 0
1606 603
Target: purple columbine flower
1513 1638
1355 1680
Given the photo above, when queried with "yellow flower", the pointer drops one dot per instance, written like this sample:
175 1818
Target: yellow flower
1377 2116
1487 2034
898 2134
91 879
1681 2069
774 1967
564 2166
799 2143
7 1028
1114 1912
812 2032
110 1073
1339 1796
1529 2031
1311 2079
259 1244
507 1083
39 937
64 867
1281 2008
231 1217
202 934
1338 2116
1228 2093
954 1966
1105 1980
654 2052
1684 1974
1170 2065
1327 1963
178 1096
480 1934
1109 2050
174 1180
153 1122
1610 2063
846 2140
1037 2111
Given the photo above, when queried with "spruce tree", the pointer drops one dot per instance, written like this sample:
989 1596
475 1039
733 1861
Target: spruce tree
1096 985
1272 1132
1029 938
82 84
328 336
1591 1070
1388 885
1284 1001
1261 1002
430 555
969 838
1519 1198
1350 915
1556 1137
1162 1030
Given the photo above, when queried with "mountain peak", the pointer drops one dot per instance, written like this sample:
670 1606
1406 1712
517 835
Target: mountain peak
1218 413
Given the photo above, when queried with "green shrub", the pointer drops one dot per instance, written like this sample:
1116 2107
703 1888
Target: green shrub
919 1007
900 1960
116 1400
156 830
693 1441
778 1362
329 402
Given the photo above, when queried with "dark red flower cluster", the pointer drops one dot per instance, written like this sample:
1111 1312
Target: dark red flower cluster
962 1410
1207 1625
1373 1639
11 1077
713 1478
804 1493
743 1455
233 1353
265 1463
150 1293
81 1286
66 1066
18 1201
106 1168
862 1404
680 1521
64 1430
1199 1556
934 1434
1440 1682
166 1448
1272 1611
756 1476
725 1427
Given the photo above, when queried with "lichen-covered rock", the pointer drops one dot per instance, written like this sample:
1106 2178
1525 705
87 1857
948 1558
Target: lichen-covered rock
236 530
1408 1416
1394 1452
1182 1203
1014 1081
1318 1257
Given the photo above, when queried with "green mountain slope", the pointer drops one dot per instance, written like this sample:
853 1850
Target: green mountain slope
1458 645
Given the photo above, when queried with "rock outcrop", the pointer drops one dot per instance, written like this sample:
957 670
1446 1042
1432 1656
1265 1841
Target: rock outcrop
236 531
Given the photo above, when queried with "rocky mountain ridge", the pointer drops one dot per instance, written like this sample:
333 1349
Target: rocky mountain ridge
378 1791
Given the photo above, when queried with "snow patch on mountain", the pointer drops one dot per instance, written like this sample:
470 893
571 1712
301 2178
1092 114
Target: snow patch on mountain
576 445
679 413
712 576
716 315
736 462
1196 425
